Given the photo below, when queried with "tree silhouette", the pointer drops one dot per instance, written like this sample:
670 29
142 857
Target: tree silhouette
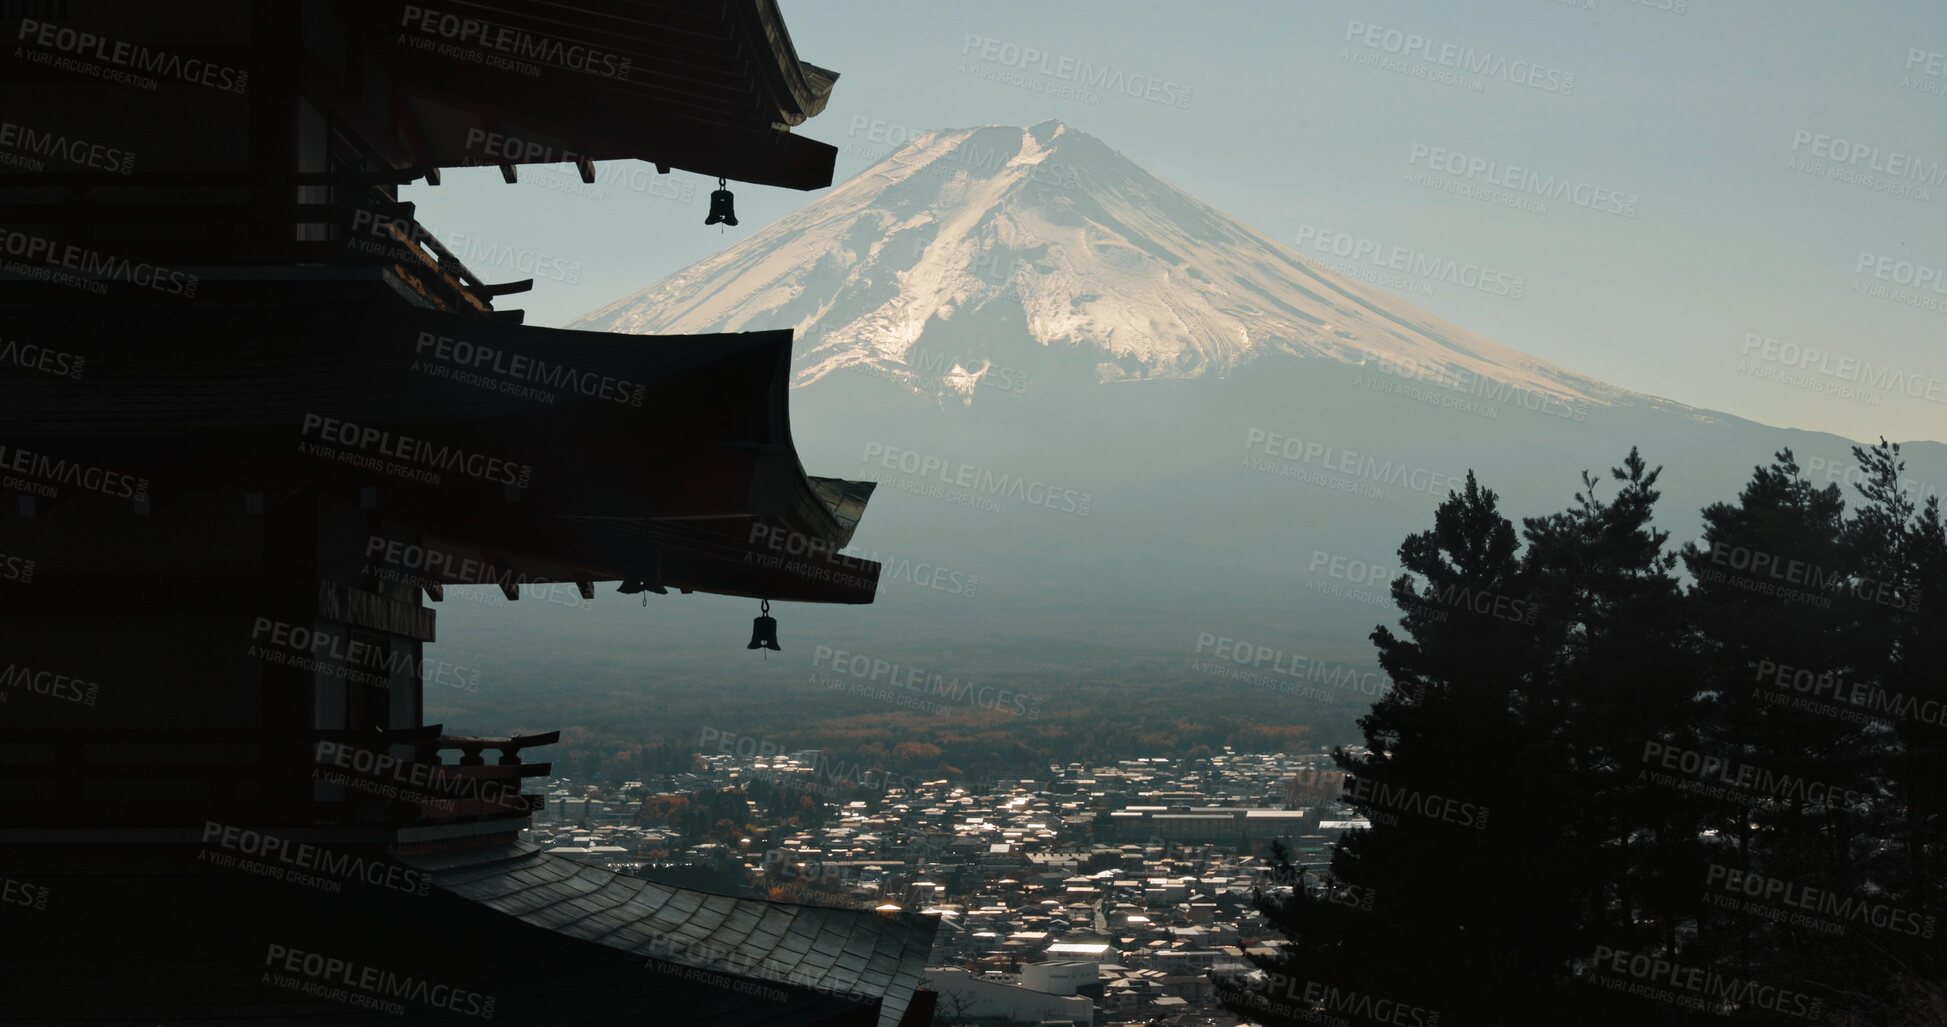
1588 769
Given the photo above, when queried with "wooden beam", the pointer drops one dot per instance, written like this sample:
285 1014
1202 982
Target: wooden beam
140 179
503 288
91 213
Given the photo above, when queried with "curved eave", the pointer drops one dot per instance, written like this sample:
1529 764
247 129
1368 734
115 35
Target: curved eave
711 88
671 449
801 90
846 500
722 558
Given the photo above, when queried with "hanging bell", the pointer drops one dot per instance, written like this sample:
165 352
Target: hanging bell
763 630
720 209
645 579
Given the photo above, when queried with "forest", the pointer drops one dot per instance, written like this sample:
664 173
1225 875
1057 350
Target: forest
616 736
1702 783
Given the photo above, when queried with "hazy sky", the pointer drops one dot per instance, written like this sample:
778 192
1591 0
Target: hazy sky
1770 150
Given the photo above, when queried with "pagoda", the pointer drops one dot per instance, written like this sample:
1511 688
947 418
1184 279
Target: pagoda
255 419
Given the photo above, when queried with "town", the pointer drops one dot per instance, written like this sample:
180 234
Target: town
1091 895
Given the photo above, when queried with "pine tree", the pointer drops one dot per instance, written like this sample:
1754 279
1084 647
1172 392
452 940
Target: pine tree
1772 574
1621 652
1895 688
1437 781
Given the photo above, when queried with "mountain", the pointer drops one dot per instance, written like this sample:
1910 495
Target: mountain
1113 427
1045 235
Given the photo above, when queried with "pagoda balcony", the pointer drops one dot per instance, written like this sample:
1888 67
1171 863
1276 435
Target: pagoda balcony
309 227
375 785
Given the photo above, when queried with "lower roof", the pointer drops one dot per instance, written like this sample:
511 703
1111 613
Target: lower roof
874 956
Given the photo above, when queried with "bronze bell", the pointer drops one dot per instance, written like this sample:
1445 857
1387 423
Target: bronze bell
720 209
763 630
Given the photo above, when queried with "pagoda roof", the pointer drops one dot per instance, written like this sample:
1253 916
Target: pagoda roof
537 940
540 454
708 87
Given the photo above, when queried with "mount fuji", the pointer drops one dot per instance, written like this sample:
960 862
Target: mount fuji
1117 422
1047 236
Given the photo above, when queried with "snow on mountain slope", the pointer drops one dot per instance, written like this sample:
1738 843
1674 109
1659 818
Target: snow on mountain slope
1050 233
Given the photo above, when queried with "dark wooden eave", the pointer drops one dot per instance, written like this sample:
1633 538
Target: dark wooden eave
711 88
686 468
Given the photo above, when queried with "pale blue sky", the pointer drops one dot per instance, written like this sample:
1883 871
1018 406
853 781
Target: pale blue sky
1290 127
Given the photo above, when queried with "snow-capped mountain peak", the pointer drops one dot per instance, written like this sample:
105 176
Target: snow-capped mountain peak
1001 237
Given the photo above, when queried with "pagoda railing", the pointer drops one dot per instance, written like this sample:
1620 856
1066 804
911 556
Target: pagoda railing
176 778
206 223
